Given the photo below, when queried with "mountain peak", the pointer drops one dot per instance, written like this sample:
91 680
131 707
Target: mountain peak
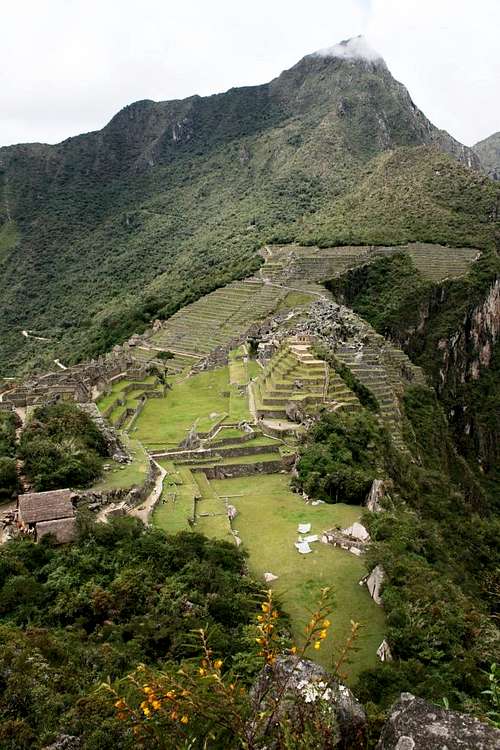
356 48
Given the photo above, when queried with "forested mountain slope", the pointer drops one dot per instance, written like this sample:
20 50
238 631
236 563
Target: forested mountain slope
108 230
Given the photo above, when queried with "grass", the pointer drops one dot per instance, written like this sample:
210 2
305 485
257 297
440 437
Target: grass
238 405
202 400
296 299
117 391
126 475
238 372
177 500
268 515
254 368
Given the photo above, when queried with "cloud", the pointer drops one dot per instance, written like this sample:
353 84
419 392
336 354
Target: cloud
356 48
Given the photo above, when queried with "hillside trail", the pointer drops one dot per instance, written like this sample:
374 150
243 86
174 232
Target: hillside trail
145 509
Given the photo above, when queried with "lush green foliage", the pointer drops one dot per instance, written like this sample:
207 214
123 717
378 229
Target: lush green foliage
7 433
440 556
71 617
392 296
9 482
341 457
61 447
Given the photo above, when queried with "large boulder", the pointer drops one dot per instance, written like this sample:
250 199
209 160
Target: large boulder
305 688
414 724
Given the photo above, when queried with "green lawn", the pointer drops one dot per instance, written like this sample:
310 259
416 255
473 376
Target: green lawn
126 475
202 399
268 515
254 368
238 372
176 504
238 405
117 390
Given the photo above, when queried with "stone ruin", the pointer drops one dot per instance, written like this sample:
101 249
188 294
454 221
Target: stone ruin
79 383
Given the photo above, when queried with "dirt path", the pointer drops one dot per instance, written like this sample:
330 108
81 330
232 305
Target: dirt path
145 509
29 335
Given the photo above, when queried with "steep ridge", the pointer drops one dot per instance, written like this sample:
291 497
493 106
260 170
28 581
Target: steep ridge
488 152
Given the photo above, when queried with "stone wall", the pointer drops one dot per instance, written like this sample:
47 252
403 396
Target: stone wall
229 471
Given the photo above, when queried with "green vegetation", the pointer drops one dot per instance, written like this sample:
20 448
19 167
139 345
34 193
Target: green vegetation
8 423
61 447
203 401
341 458
72 617
132 474
9 481
405 195
268 515
392 296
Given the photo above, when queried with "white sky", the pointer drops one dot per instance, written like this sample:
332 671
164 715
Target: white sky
67 66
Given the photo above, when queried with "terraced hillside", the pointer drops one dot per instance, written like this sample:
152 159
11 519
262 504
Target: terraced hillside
294 264
213 321
293 378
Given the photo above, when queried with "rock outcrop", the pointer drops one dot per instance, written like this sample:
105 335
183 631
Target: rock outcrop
414 724
306 686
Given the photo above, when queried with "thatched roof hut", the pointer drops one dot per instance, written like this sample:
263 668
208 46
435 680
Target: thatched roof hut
45 506
50 512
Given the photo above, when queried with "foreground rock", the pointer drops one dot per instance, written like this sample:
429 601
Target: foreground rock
414 724
308 691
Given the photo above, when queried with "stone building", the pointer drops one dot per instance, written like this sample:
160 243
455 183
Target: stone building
53 512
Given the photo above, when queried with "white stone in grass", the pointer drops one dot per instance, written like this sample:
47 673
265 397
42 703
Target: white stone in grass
303 548
304 528
311 538
268 577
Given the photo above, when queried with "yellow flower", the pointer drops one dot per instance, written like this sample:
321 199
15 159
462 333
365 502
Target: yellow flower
293 650
265 607
171 694
323 634
218 663
146 711
326 623
184 719
120 703
317 645
147 689
156 705
260 618
202 671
